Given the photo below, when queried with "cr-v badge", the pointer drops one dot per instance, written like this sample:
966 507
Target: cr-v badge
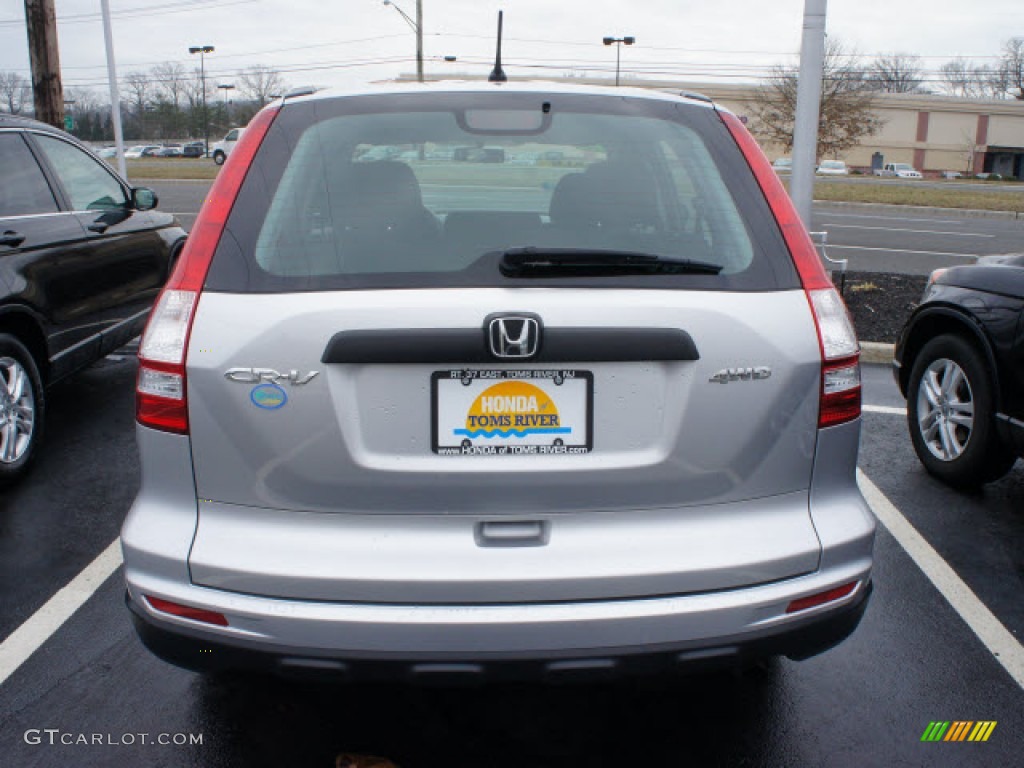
257 375
267 394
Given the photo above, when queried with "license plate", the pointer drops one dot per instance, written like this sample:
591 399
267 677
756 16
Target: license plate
512 413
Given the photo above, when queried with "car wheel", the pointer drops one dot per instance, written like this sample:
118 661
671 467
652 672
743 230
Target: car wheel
951 414
22 407
219 158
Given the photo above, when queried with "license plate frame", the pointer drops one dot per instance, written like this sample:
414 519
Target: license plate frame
464 424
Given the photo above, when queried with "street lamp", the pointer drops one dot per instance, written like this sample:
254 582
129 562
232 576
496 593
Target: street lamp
417 27
618 49
202 50
226 87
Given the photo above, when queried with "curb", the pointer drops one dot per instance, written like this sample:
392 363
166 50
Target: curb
876 352
970 213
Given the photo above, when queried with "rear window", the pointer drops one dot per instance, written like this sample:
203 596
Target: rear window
414 191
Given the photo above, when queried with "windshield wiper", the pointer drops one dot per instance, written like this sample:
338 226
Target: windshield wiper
584 262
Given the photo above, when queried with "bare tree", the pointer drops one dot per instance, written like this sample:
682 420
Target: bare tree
171 82
1011 67
957 77
170 78
895 73
13 88
139 88
260 84
846 113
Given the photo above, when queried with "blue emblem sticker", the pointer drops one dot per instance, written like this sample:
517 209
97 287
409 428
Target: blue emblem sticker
270 397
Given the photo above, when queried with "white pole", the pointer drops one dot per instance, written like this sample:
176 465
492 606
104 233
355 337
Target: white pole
808 103
115 98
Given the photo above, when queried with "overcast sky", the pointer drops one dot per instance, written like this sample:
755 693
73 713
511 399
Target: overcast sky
341 42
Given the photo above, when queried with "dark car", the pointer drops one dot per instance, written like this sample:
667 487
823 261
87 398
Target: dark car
960 364
82 257
193 149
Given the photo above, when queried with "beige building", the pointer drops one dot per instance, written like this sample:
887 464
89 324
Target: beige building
932 133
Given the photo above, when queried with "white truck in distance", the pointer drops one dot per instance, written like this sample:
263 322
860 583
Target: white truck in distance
221 149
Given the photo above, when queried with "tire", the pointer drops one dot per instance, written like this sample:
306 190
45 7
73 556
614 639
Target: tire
21 416
219 158
951 414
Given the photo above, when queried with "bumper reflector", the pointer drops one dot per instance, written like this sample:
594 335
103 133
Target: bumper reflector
813 601
187 612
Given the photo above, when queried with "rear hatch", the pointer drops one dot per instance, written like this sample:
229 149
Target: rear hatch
580 367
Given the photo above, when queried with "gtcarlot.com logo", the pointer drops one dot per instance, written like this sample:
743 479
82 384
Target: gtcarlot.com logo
958 730
55 736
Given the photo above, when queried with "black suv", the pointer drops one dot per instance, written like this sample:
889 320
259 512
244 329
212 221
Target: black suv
82 257
960 364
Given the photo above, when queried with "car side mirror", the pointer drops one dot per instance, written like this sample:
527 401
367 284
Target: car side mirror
143 199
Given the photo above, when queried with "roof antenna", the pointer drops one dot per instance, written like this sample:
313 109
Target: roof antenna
498 74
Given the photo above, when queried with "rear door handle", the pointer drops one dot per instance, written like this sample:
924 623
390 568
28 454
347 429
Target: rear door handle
98 227
12 238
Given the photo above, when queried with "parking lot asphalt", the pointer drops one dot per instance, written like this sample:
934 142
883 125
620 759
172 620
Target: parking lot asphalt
915 658
871 238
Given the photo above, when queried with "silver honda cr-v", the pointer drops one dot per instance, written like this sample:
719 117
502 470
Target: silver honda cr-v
489 380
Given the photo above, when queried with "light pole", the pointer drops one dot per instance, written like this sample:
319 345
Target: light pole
202 50
226 87
417 27
628 40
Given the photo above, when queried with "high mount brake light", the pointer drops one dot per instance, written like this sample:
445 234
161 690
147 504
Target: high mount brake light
161 400
839 400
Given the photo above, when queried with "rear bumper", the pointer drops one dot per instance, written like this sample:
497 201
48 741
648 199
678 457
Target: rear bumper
454 648
480 639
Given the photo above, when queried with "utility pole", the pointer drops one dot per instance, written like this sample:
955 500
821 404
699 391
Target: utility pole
47 92
808 104
419 40
115 96
417 27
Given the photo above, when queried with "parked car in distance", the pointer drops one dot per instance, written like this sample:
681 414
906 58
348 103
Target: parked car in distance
82 257
107 152
951 175
832 168
899 170
152 151
220 150
958 363
610 428
134 153
194 149
783 165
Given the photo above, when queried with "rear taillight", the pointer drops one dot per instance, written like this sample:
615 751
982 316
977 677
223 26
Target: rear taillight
840 353
161 394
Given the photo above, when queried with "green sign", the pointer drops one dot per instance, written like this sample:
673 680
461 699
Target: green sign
69 123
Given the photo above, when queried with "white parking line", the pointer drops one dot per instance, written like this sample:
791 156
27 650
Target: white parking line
897 229
888 218
831 247
884 409
41 625
997 638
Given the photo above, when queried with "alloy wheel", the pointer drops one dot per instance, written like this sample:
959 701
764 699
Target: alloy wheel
17 410
945 409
